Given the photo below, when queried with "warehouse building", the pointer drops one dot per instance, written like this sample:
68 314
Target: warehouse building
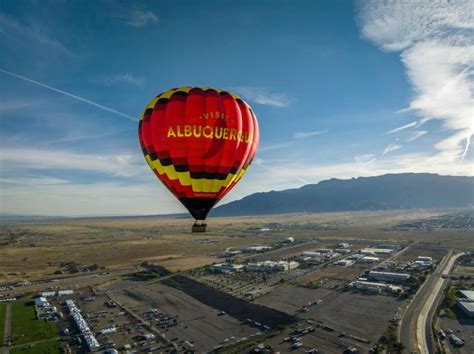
271 266
345 263
384 251
465 301
226 268
375 287
256 249
389 277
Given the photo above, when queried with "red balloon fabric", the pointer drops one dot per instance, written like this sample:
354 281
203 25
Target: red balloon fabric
199 141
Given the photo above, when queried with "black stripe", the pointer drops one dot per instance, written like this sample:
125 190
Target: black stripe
166 162
153 156
162 100
179 93
207 175
181 168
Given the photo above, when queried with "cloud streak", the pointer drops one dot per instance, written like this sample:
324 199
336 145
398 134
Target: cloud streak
263 96
403 127
304 135
391 147
78 98
130 79
137 18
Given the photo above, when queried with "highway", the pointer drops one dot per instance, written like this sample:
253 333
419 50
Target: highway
415 327
425 318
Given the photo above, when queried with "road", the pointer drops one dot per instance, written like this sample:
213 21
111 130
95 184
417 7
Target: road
423 325
7 330
416 322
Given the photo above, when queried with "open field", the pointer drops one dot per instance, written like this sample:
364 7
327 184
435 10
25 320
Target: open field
37 249
26 328
437 252
52 346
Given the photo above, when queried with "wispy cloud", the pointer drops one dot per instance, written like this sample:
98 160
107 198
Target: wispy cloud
303 135
92 103
364 158
263 96
34 181
137 18
416 134
391 147
125 165
437 48
16 104
130 79
270 147
403 127
30 31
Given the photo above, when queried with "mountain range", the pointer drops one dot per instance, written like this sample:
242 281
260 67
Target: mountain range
386 192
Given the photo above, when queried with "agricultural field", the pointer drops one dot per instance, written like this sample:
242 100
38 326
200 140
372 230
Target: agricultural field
26 328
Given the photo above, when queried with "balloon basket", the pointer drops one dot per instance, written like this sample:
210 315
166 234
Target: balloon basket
199 227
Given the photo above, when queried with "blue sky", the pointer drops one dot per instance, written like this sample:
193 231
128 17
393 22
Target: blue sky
341 89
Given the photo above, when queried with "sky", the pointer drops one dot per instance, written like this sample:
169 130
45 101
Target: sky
341 89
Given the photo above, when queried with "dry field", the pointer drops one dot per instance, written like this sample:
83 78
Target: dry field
38 249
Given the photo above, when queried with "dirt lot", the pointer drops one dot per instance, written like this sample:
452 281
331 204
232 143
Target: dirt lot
365 316
333 272
437 252
198 323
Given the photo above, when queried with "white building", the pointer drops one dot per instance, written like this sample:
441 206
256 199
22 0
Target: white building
369 250
345 263
425 259
342 250
41 302
256 249
271 266
369 259
65 292
226 268
355 256
343 245
48 293
312 254
389 277
375 287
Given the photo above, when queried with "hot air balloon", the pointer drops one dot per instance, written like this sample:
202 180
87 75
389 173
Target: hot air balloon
199 141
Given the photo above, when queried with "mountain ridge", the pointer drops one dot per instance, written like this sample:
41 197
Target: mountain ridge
384 192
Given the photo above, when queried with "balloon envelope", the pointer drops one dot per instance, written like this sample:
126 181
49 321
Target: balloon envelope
199 141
